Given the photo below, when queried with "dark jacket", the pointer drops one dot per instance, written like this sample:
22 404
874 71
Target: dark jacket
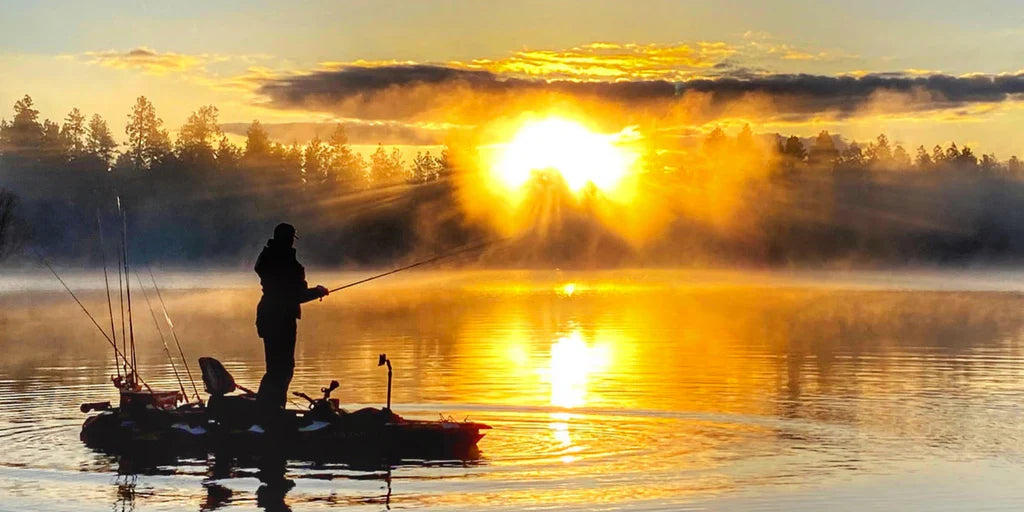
284 284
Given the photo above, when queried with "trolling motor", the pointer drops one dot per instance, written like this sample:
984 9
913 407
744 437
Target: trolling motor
383 360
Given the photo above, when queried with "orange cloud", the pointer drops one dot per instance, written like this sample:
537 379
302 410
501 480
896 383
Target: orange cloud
593 62
150 61
610 61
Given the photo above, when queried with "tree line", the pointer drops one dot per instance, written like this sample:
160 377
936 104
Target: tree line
823 200
880 154
201 198
199 188
88 144
876 155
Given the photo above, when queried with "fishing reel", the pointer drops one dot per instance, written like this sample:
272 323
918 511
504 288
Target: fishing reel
323 405
126 382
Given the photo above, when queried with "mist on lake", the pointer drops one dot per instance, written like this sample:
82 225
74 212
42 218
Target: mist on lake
653 389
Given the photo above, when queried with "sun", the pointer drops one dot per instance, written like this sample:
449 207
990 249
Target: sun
580 156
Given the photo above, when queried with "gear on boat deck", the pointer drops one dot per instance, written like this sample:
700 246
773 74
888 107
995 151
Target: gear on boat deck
233 422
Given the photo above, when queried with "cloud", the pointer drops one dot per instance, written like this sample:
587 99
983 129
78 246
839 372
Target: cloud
604 61
442 92
609 61
713 74
356 80
149 61
418 92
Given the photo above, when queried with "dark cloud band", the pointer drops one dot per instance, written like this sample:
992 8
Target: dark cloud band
407 90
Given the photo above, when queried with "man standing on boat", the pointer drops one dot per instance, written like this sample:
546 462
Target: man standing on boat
283 280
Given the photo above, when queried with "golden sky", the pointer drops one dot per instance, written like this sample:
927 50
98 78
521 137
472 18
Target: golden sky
407 72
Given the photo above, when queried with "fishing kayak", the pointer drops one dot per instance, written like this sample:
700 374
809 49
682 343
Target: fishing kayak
235 423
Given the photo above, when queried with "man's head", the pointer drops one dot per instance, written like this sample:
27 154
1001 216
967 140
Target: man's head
285 233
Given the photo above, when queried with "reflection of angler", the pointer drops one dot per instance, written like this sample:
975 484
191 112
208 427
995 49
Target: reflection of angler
126 492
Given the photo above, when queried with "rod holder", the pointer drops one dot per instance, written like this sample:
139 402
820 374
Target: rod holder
381 361
95 406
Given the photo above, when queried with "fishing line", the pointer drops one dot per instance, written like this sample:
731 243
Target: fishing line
43 260
419 263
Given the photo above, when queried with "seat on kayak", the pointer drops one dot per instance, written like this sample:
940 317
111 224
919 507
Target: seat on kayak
216 378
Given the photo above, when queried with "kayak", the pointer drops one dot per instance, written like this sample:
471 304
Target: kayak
163 422
193 429
234 423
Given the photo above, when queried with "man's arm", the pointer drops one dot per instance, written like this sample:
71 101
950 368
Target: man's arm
306 293
313 293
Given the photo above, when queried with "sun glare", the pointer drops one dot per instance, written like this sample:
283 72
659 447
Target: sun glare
573 360
579 155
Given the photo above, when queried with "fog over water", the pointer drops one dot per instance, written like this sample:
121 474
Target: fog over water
642 389
729 256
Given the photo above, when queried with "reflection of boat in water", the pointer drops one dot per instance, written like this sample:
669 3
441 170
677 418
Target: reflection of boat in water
232 423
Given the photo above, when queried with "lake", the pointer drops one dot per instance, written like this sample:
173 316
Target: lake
610 390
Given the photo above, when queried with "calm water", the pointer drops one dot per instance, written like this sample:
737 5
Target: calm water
614 390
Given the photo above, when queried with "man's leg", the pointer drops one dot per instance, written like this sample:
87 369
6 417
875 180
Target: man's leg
266 394
285 354
279 351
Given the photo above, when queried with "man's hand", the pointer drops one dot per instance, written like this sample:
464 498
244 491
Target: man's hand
322 290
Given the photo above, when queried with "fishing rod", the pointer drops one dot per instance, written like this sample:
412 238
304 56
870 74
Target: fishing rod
420 263
44 261
106 283
163 340
174 334
127 282
120 292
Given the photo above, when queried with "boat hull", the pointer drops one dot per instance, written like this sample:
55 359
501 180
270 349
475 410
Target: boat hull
365 434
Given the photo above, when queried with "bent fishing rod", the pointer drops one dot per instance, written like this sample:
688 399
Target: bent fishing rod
421 263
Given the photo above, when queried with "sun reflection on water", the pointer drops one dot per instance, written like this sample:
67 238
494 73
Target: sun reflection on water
622 395
573 360
563 437
568 289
